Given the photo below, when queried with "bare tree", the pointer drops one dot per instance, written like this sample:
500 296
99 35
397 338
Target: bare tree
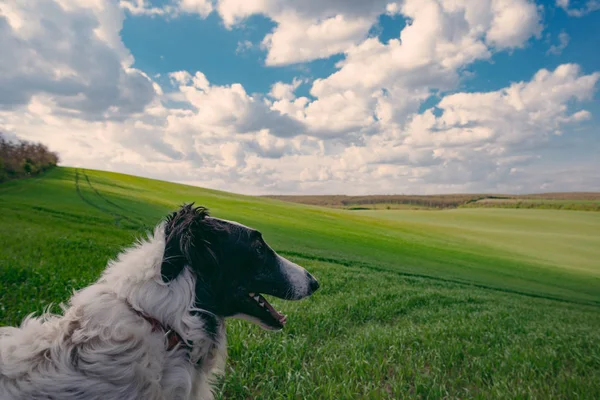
20 158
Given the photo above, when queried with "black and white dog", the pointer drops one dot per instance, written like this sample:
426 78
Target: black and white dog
152 327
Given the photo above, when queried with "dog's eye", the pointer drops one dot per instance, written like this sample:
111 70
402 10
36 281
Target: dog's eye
259 247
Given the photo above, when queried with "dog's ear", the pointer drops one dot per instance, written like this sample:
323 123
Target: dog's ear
186 237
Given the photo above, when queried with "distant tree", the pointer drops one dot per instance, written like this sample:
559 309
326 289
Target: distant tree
20 158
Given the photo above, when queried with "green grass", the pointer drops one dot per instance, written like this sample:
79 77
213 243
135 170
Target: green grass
466 303
538 203
565 240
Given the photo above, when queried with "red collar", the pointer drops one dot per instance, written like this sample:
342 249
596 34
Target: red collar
173 338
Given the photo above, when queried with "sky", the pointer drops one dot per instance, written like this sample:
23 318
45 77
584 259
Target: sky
311 96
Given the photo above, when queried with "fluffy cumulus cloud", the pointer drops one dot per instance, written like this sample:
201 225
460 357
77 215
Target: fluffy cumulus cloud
229 109
363 129
382 83
306 30
311 29
143 7
70 53
509 117
169 9
563 42
578 10
470 141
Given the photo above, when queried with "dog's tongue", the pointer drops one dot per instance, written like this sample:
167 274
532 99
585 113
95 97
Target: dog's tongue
276 314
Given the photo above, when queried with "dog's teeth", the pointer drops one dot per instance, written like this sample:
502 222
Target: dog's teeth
261 304
256 298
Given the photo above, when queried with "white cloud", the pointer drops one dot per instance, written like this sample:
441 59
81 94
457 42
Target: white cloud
143 7
180 77
184 78
392 8
201 7
581 115
311 29
557 49
381 83
297 39
513 22
360 131
230 109
172 9
440 39
285 91
478 141
306 29
521 113
234 11
340 114
243 47
71 53
589 7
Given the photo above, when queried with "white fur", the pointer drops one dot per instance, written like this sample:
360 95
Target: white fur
297 276
101 348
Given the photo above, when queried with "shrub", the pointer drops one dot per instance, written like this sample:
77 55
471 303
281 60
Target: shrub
20 158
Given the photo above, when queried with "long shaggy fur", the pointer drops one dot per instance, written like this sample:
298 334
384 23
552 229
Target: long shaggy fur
103 348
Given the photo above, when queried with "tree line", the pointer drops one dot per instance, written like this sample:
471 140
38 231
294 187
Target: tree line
343 201
585 201
20 158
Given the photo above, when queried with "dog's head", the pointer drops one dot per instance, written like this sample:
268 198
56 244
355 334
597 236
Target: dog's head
233 266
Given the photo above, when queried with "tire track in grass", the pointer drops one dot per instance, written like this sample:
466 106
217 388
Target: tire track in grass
87 178
103 210
111 203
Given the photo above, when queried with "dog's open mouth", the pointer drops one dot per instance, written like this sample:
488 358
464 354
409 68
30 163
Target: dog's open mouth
267 315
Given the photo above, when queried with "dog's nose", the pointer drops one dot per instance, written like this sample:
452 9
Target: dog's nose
313 283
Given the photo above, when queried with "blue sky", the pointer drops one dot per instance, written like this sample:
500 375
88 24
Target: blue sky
313 96
192 43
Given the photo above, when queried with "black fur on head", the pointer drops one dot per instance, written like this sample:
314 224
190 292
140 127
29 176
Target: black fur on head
185 230
231 264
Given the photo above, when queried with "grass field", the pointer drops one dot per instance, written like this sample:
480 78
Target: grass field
464 303
577 204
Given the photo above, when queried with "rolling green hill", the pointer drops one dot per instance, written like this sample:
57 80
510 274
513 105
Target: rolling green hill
460 303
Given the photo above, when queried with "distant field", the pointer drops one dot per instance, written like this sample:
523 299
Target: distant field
539 203
463 303
568 240
578 201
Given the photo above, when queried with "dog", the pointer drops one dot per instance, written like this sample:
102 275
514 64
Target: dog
153 326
